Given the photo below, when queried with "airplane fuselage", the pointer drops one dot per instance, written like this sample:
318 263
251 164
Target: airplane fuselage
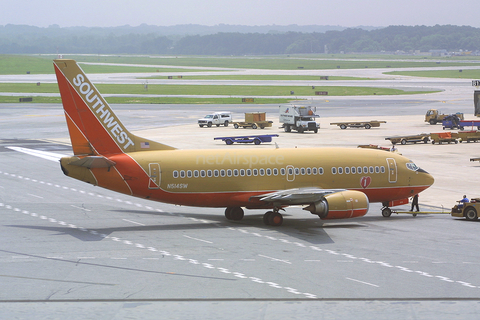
230 177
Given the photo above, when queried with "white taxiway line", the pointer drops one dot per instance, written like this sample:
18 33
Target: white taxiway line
370 284
197 239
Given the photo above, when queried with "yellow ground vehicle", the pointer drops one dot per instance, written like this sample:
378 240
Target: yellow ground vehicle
253 120
433 116
358 124
469 210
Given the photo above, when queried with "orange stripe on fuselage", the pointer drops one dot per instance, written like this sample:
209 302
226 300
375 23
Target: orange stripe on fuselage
243 198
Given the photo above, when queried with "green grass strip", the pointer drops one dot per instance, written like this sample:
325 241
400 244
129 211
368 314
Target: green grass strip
213 90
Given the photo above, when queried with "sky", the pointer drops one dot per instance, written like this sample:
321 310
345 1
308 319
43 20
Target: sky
346 13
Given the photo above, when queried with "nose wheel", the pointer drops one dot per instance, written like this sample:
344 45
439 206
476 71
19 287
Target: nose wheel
273 218
386 212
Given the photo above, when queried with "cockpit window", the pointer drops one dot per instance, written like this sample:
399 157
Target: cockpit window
412 166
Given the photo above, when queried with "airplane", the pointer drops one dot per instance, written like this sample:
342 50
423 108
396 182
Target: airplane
332 183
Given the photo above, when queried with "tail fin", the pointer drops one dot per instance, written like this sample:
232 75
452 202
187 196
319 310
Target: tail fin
93 126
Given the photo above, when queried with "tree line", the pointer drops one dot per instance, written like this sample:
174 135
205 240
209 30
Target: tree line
130 40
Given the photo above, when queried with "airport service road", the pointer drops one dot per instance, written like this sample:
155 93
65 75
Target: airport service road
63 240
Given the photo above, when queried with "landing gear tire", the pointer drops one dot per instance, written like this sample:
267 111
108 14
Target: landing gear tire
266 217
386 212
234 213
273 219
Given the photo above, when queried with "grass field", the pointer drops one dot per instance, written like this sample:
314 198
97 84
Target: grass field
211 90
20 64
42 64
459 73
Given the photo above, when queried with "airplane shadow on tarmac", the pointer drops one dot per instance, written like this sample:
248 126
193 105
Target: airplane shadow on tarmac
311 230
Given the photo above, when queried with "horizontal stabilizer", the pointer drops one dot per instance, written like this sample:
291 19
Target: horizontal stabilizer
93 162
38 153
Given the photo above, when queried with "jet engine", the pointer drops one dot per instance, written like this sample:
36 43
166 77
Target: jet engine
340 205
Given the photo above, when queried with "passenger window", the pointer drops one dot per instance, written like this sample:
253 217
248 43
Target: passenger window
175 174
275 171
249 172
209 173
196 173
359 170
365 169
255 172
290 171
347 170
202 173
282 171
262 172
314 170
189 173
320 170
182 174
297 171
302 171
222 172
334 170
215 173
229 172
269 172
377 169
354 170
242 172
340 170
371 170
382 169
235 172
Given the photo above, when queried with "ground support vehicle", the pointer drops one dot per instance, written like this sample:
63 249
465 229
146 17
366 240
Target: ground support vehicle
217 118
444 137
298 118
253 120
422 137
413 213
452 122
472 123
469 210
433 116
374 146
358 124
468 136
474 159
248 139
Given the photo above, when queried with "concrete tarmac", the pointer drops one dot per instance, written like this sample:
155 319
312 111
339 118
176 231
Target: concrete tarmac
72 250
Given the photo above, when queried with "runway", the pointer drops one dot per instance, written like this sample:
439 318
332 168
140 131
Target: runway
87 252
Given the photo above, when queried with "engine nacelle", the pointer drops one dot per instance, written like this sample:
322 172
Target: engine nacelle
341 205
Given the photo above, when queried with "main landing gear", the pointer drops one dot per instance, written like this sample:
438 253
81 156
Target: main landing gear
271 218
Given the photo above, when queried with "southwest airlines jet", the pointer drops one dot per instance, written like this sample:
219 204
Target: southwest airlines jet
333 183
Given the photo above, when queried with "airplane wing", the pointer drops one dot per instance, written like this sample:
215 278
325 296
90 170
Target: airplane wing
296 196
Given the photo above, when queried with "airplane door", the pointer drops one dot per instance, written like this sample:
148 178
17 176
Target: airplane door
392 170
290 173
155 176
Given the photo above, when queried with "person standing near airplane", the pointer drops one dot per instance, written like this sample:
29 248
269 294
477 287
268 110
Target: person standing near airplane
415 202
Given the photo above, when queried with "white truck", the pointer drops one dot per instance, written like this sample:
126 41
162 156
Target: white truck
217 118
299 118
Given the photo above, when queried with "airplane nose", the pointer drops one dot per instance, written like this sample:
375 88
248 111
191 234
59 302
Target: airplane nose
427 178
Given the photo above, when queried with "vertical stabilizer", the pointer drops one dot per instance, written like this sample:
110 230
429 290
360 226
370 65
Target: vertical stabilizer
93 126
